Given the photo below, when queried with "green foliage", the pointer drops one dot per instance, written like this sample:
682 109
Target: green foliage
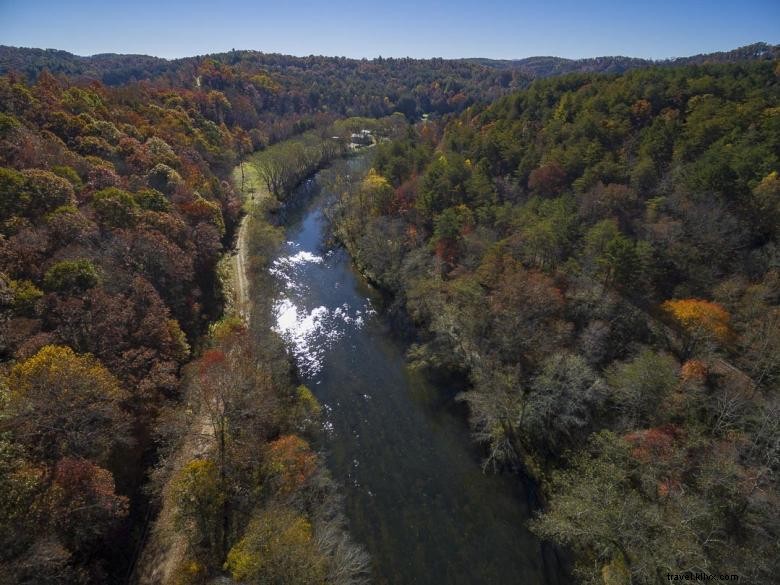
400 159
160 152
555 221
307 408
115 208
46 191
26 295
443 185
152 200
164 178
8 123
640 385
598 511
11 193
71 276
69 174
559 247
32 192
80 100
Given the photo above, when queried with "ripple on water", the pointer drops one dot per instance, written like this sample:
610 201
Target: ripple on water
286 268
310 332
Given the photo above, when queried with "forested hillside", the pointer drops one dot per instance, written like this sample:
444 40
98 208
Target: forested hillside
114 210
599 255
264 87
113 213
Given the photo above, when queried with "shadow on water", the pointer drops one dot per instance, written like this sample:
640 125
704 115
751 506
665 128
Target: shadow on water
415 493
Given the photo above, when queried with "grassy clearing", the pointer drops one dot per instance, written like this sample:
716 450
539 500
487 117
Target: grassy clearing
251 178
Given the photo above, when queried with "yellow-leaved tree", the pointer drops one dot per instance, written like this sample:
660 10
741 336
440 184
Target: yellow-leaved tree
61 404
705 324
278 548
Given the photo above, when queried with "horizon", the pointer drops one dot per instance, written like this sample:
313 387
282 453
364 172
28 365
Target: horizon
499 30
327 56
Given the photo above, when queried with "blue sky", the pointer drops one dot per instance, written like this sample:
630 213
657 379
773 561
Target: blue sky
423 28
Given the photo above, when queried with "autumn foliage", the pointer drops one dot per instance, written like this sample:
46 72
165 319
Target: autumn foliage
290 463
597 256
700 320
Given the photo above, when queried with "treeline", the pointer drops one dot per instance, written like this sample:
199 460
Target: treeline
242 493
600 256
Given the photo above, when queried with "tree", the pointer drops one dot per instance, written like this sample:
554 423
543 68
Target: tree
496 407
289 464
548 179
45 191
115 208
277 548
616 256
562 405
85 506
26 295
11 189
765 205
598 507
198 498
639 386
377 191
164 178
526 314
70 276
705 324
22 507
61 404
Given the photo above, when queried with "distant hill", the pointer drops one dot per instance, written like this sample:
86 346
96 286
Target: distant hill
109 68
549 66
116 69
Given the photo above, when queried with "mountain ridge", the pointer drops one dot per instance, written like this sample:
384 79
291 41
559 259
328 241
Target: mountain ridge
118 68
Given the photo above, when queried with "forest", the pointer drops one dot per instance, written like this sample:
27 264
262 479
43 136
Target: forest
599 256
596 253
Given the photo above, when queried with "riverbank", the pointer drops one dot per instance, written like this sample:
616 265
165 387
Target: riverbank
235 456
397 445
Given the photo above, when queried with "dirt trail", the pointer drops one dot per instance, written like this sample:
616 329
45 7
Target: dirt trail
164 549
240 267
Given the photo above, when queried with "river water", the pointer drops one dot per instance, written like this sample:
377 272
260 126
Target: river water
415 493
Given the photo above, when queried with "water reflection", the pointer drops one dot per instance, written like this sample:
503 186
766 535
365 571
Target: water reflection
309 331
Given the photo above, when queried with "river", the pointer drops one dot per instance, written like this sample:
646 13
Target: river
415 493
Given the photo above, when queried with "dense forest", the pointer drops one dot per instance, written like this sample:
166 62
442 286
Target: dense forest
265 90
114 211
115 207
263 87
599 255
596 253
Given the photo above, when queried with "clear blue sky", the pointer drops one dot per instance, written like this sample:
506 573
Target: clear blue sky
422 28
